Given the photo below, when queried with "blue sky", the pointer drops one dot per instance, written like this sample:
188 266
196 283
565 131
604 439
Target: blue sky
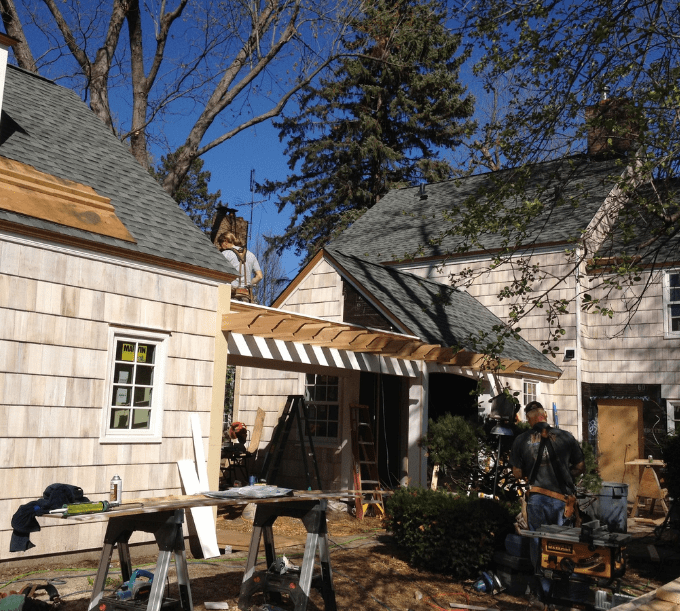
230 164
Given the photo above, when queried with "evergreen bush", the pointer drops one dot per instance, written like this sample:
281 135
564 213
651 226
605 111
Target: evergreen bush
449 534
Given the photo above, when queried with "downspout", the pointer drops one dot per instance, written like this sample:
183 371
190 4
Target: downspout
579 360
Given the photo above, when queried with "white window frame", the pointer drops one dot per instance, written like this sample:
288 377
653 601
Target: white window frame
154 434
527 396
318 439
668 332
673 423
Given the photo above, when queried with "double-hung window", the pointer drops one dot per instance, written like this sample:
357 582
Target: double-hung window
134 389
671 299
673 412
323 405
530 391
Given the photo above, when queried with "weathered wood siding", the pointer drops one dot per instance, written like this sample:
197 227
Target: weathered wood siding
486 288
623 351
55 310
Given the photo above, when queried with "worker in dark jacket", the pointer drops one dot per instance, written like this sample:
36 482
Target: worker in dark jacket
551 496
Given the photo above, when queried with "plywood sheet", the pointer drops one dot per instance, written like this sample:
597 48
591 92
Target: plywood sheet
620 439
25 190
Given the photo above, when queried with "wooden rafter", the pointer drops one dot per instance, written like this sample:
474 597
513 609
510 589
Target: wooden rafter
270 323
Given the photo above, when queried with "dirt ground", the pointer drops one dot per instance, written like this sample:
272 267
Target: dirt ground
369 573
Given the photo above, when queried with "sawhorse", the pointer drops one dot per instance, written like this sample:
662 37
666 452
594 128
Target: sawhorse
166 527
297 587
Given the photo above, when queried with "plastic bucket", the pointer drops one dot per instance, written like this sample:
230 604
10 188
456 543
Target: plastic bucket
611 506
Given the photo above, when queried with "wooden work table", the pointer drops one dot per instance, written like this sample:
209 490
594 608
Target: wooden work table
163 517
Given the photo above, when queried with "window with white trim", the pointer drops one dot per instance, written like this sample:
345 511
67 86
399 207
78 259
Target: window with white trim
134 389
673 413
323 405
530 391
671 298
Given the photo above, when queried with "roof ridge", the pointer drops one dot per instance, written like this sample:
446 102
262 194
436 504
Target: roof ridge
395 270
35 74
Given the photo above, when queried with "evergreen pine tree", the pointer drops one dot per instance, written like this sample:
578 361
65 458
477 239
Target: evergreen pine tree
192 194
379 122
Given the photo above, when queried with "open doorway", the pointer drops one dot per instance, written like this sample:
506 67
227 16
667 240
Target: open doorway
384 395
450 393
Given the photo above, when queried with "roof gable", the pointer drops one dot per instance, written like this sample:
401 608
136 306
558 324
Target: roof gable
434 312
49 128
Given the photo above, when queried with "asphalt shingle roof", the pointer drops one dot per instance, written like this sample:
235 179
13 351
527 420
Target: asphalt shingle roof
436 313
50 128
404 223
646 237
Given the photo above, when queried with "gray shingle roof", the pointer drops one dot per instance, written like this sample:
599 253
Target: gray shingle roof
646 237
50 128
403 223
436 313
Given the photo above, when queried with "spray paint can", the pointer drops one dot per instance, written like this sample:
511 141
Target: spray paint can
116 495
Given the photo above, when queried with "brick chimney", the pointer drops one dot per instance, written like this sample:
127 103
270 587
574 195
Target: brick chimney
614 126
5 43
227 221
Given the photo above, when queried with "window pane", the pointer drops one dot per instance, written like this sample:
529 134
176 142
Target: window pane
119 418
143 397
144 375
675 295
123 373
332 429
333 412
125 351
320 429
141 418
121 395
146 353
674 279
332 393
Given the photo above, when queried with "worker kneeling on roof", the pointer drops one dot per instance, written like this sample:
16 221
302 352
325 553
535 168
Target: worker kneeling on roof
550 459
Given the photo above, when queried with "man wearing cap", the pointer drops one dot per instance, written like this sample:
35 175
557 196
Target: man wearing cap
551 496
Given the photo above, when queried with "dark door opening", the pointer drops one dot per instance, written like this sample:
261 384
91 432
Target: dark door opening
383 394
450 393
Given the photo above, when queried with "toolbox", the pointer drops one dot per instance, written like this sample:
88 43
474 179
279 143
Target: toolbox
513 571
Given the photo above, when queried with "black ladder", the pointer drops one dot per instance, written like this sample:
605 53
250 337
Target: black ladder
295 409
366 478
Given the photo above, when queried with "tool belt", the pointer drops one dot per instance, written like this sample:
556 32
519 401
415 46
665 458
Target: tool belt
569 499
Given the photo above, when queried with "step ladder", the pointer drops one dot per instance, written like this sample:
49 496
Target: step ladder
365 469
295 410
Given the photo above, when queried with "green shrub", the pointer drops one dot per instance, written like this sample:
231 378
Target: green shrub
590 481
453 443
456 535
